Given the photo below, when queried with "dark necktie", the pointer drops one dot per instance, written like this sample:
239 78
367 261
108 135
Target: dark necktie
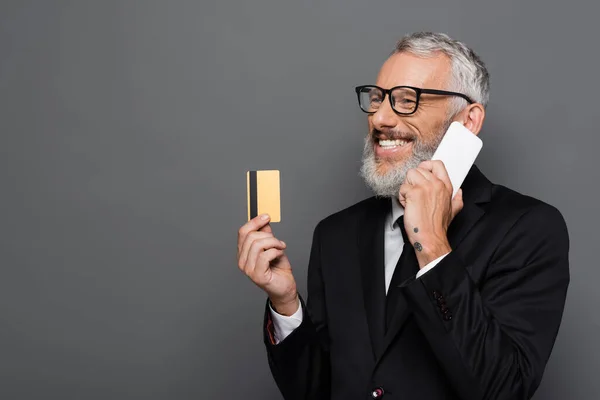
405 268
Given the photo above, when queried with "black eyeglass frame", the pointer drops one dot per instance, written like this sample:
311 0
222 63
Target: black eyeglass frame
418 91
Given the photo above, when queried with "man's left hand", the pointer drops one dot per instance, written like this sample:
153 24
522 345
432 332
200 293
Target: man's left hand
426 196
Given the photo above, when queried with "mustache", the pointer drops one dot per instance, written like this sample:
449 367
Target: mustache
391 134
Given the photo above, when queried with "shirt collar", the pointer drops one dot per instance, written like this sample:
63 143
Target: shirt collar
397 212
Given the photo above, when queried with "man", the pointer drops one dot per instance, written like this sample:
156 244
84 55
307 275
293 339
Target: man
413 294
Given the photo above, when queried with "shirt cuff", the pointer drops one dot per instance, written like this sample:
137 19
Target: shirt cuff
282 325
430 265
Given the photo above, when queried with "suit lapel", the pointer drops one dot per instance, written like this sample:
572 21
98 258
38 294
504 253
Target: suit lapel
371 250
476 190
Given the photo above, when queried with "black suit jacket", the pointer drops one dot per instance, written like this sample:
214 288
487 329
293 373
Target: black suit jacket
479 325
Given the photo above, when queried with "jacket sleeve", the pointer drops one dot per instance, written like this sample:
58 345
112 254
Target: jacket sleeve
300 363
493 338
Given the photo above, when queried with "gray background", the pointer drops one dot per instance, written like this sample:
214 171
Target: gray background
126 130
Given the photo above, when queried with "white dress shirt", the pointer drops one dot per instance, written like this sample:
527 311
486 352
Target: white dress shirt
393 243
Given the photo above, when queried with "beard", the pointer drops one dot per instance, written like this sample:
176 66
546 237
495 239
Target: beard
388 184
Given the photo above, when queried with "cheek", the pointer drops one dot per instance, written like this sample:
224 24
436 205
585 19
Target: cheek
370 123
428 131
434 135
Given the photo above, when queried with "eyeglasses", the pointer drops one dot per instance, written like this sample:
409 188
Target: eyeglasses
403 99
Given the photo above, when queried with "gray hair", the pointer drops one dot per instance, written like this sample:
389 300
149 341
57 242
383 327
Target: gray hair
469 74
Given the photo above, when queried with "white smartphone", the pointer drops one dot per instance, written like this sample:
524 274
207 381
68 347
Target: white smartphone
458 150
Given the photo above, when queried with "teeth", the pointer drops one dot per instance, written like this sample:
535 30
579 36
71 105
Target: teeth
392 143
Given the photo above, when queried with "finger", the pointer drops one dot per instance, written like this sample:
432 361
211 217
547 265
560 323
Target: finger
253 225
256 251
266 228
250 239
414 177
426 174
428 165
431 178
401 198
404 189
436 167
457 203
263 262
258 246
439 170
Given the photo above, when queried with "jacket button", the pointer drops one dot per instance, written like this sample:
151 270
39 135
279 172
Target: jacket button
377 393
448 317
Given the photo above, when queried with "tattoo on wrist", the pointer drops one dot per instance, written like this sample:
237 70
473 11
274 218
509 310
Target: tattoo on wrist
418 246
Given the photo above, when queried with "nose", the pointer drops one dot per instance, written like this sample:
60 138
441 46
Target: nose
384 117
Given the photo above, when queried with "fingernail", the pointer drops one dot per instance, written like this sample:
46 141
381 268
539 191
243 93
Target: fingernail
264 217
282 243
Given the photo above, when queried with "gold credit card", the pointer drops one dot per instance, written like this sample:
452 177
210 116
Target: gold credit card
263 194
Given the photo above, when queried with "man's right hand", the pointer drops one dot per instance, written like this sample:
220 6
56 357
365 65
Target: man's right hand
261 257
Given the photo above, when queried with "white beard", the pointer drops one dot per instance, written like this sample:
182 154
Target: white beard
388 184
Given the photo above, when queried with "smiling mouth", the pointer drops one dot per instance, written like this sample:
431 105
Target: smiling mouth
392 149
392 144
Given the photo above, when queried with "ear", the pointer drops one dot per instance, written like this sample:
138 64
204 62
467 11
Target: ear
472 117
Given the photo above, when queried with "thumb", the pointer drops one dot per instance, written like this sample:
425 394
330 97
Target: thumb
457 203
266 228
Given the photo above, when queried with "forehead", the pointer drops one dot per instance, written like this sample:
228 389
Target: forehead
410 70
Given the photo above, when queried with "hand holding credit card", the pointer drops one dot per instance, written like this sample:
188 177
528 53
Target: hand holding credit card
261 256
